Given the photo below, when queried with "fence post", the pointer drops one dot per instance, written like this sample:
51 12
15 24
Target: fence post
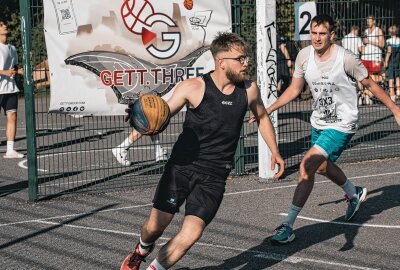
266 75
24 6
236 16
239 154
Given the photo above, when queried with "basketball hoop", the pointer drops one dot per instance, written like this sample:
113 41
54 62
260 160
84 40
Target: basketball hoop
195 22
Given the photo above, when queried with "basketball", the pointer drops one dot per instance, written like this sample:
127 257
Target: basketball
188 4
135 13
149 115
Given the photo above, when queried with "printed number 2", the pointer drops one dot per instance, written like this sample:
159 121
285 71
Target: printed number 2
303 30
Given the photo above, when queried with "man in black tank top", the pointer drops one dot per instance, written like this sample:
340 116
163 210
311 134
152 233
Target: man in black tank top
201 158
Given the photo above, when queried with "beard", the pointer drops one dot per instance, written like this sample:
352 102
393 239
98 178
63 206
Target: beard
235 77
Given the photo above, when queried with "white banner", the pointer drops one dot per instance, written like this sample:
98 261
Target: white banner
303 14
102 53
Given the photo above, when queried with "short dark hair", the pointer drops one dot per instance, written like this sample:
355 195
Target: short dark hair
324 18
225 41
372 17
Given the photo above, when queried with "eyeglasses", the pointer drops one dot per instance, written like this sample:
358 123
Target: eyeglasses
242 59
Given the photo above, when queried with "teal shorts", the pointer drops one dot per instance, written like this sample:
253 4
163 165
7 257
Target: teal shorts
330 142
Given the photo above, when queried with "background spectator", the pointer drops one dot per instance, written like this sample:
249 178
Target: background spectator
8 88
283 64
392 62
372 57
353 42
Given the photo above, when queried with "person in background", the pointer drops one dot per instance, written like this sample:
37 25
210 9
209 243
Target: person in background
283 64
120 152
392 62
8 88
374 42
353 43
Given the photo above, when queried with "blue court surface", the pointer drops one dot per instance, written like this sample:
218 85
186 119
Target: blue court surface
96 231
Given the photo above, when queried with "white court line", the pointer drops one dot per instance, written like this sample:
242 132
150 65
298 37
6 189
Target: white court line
78 214
23 162
346 223
246 191
259 254
319 182
372 146
150 204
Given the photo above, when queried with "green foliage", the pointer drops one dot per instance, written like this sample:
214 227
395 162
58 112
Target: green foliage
8 7
38 43
10 15
244 23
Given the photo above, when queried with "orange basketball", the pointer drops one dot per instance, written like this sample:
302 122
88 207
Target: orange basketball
188 4
149 115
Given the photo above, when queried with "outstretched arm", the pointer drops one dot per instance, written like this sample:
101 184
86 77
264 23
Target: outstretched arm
290 93
182 94
378 92
266 128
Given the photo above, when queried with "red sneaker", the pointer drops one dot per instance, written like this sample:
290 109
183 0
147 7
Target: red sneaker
134 259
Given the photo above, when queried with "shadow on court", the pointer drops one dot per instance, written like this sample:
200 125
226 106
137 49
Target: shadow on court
54 227
266 255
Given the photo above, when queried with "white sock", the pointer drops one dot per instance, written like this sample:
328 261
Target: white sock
155 265
157 145
292 215
10 146
349 189
126 144
144 248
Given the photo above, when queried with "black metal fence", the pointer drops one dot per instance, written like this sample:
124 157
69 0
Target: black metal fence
74 154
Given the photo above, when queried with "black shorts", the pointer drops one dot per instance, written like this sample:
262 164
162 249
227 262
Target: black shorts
203 192
9 102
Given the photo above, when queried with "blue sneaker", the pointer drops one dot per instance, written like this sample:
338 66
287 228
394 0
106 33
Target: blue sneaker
353 204
284 234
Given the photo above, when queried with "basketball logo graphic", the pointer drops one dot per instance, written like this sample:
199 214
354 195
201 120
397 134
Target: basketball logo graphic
134 14
188 4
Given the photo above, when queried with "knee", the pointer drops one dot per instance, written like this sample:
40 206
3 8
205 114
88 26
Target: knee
305 175
321 171
11 116
186 240
154 229
323 168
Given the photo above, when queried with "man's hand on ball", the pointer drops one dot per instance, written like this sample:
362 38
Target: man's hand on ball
130 105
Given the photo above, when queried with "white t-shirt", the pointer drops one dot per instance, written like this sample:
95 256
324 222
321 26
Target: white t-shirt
372 52
393 42
8 60
352 42
333 86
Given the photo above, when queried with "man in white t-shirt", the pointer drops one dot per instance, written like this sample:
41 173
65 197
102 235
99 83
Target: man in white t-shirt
331 72
353 42
8 89
392 62
374 43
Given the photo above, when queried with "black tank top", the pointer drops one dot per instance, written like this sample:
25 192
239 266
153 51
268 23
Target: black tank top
212 129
